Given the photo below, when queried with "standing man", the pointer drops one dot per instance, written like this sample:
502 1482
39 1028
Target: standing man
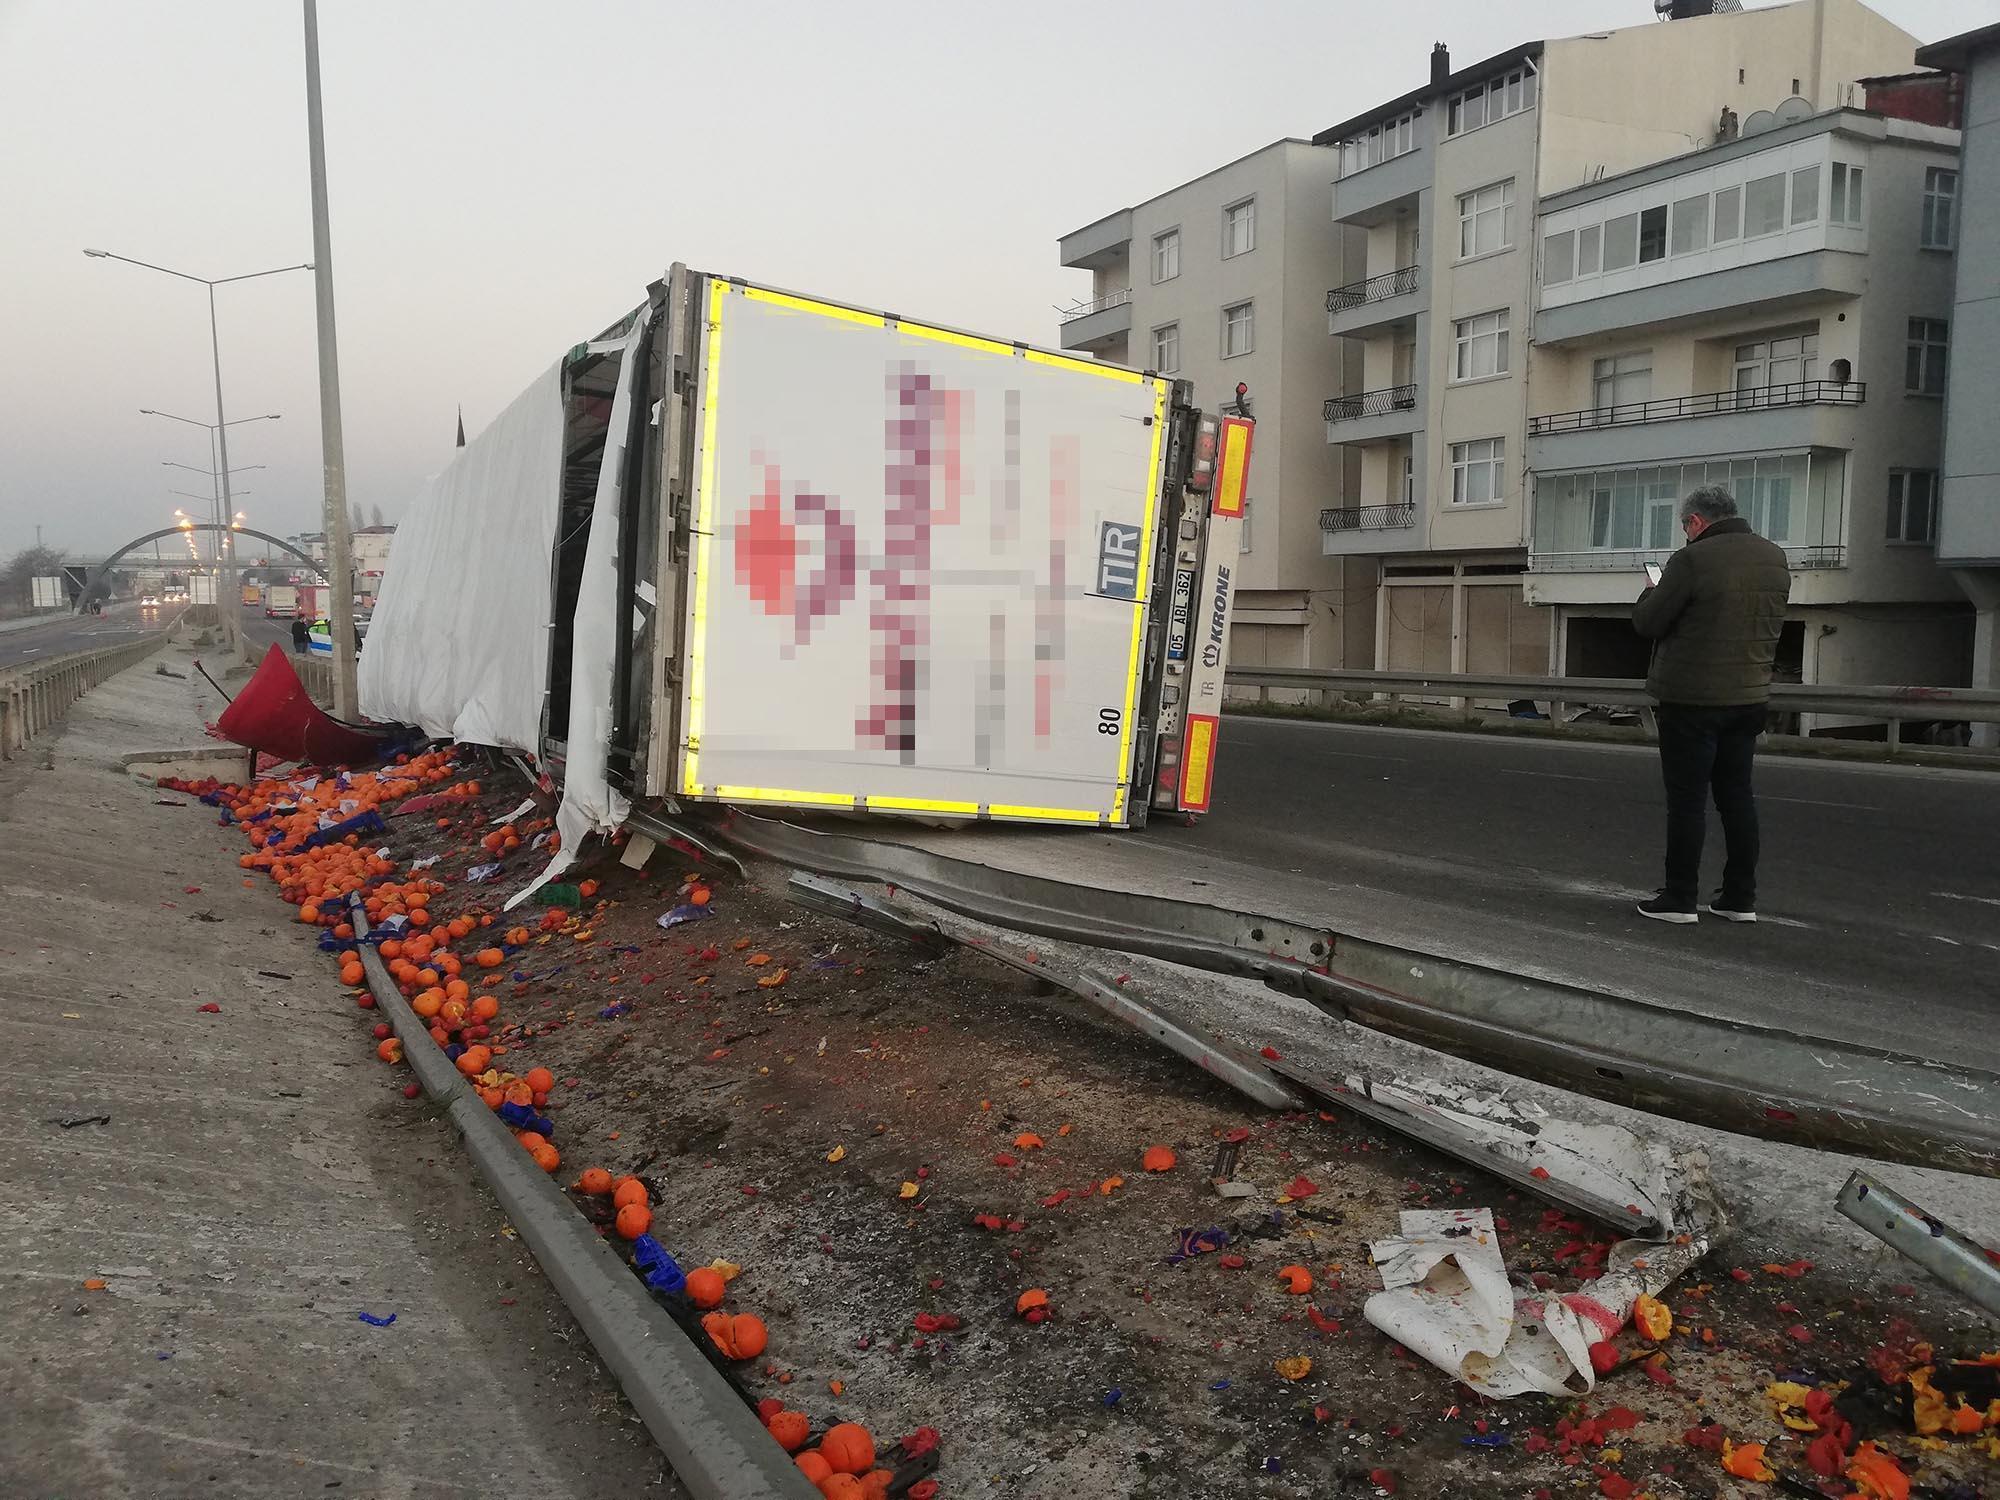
1714 617
299 634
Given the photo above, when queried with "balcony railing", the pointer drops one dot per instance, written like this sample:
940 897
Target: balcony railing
1380 403
1714 403
1339 518
1634 559
1374 289
1095 305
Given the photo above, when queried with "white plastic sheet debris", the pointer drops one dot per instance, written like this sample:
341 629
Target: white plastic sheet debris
1448 1298
1446 1293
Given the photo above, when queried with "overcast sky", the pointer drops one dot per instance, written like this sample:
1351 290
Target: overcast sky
507 175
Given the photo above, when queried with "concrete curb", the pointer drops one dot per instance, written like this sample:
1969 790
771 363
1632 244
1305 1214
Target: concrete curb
714 1443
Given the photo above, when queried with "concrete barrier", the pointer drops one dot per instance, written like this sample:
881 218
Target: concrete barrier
34 697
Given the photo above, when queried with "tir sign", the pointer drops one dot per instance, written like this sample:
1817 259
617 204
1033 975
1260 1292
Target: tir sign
1118 560
1232 470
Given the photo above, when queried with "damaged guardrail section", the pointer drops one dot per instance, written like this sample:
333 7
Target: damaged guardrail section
1728 1075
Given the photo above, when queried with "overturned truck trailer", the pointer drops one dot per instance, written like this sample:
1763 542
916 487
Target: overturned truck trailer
754 547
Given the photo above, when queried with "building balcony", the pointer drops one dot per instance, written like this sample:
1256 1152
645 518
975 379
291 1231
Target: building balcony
1378 302
1768 288
1347 530
1761 419
1095 246
1373 416
1377 193
1098 323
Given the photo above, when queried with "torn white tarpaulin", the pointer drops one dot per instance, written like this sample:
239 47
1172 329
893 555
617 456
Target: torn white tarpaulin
589 802
459 641
1447 1297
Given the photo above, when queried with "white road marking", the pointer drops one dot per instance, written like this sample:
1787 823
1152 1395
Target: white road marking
1955 896
1547 775
1810 802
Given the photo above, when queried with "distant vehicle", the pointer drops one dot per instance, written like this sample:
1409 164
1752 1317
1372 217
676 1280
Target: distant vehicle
281 601
252 594
149 601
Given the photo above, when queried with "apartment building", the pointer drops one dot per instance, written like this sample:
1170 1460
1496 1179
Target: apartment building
1446 183
1219 281
1969 521
1770 313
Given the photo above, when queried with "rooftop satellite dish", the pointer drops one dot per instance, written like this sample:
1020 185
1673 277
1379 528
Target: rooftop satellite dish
1758 121
1792 109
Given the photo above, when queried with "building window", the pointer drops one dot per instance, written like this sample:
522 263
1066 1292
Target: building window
1923 357
1409 487
1167 349
1728 214
1478 471
1621 379
1479 346
1844 204
1495 99
1486 220
1794 499
1378 144
1243 533
1166 255
1558 258
1777 359
1621 242
1805 195
1913 505
1239 329
1587 239
1239 228
1691 225
1940 226
1653 233
1764 205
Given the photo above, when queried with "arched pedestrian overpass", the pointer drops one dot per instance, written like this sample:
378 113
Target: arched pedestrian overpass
95 586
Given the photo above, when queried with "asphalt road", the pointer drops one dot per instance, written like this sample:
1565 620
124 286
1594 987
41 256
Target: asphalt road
1880 885
65 633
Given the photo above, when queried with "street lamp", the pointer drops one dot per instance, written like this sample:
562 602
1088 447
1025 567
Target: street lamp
215 503
215 348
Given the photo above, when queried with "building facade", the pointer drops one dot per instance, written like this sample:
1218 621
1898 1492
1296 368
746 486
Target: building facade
1219 281
1969 521
1771 314
1448 184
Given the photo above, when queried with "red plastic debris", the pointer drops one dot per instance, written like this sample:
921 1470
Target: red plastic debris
1826 1455
1708 1437
1301 1187
1002 1159
210 1009
1271 1054
936 1322
1799 1333
1619 1419
924 1489
1540 1174
1739 1274
1060 1196
1322 1322
1231 1262
989 1221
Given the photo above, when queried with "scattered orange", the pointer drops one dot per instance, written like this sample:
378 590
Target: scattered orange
630 1190
594 1181
633 1220
848 1448
790 1428
541 1080
813 1466
352 973
485 1008
705 1289
1159 1159
489 958
741 1336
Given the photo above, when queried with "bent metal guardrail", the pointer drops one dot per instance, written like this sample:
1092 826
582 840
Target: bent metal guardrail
34 697
1761 1081
1892 705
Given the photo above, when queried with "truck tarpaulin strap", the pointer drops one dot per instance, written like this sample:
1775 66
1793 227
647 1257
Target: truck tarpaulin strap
589 805
459 642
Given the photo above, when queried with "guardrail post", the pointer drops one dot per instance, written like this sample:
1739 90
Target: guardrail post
1895 736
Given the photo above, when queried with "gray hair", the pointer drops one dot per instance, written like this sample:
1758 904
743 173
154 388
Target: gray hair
1711 502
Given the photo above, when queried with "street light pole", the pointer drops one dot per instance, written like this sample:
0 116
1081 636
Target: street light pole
339 543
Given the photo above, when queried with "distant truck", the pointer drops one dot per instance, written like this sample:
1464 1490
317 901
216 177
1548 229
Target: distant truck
252 594
281 601
753 547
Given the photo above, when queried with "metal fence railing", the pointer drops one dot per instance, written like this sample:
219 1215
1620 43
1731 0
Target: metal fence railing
1709 404
1891 706
1373 289
1634 559
1390 398
1096 305
1339 518
34 697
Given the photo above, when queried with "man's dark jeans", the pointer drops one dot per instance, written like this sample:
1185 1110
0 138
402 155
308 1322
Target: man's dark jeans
1704 751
